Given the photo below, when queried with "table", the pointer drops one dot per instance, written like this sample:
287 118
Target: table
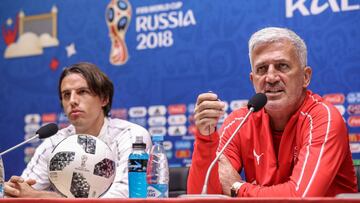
183 200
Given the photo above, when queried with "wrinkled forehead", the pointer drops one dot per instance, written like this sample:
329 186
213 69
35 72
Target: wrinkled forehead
286 43
283 47
271 52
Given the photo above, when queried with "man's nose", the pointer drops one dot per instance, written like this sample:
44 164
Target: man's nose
73 98
272 74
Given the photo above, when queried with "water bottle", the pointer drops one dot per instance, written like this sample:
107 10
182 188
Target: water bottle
137 164
2 178
157 173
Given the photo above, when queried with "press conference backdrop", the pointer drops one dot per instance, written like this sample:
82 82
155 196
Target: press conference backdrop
161 55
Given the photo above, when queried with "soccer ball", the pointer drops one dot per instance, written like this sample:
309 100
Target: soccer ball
82 166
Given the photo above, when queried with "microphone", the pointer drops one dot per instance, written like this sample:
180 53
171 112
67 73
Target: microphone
47 130
256 103
43 132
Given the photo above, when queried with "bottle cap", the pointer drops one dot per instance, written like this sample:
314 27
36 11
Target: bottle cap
139 143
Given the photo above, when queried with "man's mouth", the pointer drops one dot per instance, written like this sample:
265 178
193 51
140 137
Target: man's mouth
273 91
75 112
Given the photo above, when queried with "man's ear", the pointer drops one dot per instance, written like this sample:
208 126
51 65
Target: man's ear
307 76
105 101
251 76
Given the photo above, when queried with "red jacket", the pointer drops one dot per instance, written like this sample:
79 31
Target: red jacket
314 157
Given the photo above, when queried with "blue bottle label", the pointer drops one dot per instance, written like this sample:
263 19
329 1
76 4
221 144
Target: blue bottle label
157 190
137 185
137 165
137 178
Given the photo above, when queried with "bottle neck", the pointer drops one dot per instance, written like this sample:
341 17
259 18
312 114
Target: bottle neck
137 149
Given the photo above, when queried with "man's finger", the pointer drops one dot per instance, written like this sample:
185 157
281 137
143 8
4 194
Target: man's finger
10 184
16 179
30 181
218 105
206 97
11 191
209 113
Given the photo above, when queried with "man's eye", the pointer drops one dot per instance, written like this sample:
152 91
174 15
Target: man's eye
261 70
82 91
283 67
66 95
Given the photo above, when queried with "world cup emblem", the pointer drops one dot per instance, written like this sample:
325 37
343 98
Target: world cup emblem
83 161
118 16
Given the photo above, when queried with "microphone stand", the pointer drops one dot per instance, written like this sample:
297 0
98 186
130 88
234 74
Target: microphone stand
44 132
204 189
18 145
2 169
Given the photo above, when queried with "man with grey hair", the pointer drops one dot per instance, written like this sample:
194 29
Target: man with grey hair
297 146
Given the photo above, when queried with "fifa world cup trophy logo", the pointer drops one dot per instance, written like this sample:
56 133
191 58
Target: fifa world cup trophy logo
118 15
84 158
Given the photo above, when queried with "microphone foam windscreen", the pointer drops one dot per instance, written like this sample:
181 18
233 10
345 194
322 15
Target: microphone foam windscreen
258 101
47 130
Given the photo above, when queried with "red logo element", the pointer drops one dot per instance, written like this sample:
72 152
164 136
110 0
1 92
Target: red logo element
119 113
354 137
63 125
184 153
118 16
177 109
9 34
353 109
354 121
336 98
54 64
48 117
192 129
29 151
